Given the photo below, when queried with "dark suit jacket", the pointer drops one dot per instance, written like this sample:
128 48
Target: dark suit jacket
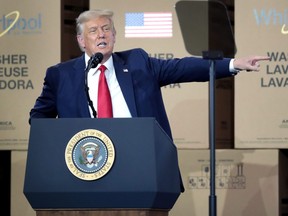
139 77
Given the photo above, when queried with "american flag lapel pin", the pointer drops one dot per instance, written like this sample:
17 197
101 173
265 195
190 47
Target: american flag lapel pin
125 70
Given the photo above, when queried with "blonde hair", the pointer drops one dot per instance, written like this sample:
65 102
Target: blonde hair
92 14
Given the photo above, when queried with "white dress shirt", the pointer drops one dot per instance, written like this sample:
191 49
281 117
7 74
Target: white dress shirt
119 105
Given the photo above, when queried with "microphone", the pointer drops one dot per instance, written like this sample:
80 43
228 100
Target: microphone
92 63
94 60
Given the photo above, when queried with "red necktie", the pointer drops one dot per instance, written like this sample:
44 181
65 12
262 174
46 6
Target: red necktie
104 105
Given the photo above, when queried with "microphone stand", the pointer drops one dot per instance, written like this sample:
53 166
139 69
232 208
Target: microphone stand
92 63
212 56
90 102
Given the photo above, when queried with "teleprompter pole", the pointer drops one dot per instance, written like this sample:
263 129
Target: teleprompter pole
212 56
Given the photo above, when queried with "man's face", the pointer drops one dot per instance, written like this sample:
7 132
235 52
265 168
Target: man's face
98 36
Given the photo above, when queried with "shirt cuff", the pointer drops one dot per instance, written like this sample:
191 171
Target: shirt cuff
231 67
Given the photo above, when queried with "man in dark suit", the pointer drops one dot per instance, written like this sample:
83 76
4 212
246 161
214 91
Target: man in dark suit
134 78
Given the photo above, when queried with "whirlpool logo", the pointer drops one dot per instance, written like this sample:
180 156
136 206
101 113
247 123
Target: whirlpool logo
13 23
274 17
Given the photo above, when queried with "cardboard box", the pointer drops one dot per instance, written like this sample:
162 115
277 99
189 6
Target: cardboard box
247 182
261 119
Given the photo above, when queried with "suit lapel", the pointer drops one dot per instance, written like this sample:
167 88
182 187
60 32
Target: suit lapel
124 78
79 67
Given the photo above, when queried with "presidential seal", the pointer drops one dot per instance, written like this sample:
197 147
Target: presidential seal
90 154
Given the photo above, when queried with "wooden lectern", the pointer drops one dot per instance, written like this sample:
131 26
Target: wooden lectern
144 179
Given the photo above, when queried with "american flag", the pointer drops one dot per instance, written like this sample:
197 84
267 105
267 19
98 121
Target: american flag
148 25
